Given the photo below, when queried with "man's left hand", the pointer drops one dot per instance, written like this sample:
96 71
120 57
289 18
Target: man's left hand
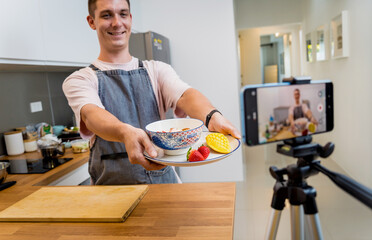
219 123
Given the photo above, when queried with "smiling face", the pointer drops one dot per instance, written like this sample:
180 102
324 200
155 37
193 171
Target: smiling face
297 95
113 21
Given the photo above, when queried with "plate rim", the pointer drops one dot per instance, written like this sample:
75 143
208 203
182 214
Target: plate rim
186 163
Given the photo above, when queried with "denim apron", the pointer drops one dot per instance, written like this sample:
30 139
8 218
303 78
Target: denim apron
298 113
129 96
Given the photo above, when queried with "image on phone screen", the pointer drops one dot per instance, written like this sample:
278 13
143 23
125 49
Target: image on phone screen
280 112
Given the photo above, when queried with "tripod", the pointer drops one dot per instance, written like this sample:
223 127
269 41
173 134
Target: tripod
301 196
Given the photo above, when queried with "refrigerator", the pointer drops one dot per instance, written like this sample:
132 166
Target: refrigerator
150 46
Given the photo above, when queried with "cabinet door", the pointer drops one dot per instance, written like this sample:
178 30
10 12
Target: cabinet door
20 30
68 37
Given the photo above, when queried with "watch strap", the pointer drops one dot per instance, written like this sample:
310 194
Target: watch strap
209 116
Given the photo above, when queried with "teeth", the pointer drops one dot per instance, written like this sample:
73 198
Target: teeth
115 34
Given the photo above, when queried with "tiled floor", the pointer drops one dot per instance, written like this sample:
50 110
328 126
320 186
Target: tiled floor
341 216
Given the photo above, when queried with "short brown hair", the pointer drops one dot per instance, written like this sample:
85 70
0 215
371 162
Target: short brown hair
92 6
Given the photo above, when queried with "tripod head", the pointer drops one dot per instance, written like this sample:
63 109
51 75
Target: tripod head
307 165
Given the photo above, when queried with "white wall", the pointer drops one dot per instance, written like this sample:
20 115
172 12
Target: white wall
203 46
259 13
351 76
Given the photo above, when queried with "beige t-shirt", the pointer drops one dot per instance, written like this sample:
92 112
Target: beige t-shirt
81 87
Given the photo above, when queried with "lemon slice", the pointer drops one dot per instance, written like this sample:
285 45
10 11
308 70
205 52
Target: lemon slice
218 142
312 127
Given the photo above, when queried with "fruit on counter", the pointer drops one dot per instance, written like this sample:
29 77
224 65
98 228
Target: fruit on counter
218 142
204 150
194 155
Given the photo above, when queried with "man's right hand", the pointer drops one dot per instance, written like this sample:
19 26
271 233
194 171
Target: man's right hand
108 127
136 142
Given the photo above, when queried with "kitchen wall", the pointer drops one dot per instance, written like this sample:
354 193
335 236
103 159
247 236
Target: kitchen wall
203 46
19 89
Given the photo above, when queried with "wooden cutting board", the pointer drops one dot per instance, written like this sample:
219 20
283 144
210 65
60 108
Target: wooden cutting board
76 204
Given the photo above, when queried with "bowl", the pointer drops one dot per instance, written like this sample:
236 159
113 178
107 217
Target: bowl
80 145
57 130
3 172
175 136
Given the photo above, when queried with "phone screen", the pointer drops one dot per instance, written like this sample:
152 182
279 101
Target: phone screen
278 112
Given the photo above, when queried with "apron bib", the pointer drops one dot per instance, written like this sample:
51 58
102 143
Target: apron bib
298 113
129 96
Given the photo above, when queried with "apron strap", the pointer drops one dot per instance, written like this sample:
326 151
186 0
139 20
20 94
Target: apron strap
114 156
93 67
140 64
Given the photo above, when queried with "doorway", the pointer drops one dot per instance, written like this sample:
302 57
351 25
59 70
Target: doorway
275 51
275 47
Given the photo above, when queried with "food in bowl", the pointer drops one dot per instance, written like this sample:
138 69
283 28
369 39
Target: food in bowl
300 124
177 129
80 145
175 142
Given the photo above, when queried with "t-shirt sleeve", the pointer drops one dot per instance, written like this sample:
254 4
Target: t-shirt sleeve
290 110
170 88
81 88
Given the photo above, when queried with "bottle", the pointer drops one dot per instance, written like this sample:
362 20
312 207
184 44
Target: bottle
267 133
271 120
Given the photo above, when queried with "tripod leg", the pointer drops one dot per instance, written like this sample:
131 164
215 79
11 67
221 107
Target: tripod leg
297 222
314 227
272 228
311 213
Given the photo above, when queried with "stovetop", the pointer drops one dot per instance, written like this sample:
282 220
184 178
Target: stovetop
43 165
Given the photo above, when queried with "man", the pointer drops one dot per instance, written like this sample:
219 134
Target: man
299 112
118 95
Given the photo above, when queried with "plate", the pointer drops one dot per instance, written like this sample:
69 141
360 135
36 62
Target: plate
180 160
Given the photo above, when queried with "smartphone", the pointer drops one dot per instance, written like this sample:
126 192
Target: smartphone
281 111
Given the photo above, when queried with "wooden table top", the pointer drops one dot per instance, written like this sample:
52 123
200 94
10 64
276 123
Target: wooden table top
195 211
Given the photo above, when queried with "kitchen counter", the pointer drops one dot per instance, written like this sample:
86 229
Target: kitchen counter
198 211
78 159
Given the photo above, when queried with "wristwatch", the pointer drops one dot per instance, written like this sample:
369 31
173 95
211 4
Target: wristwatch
209 116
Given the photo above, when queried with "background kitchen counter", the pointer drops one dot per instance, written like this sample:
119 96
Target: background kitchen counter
168 211
46 178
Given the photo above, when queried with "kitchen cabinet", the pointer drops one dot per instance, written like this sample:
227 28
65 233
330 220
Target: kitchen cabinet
21 33
73 178
67 35
46 33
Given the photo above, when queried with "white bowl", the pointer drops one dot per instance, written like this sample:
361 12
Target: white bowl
179 141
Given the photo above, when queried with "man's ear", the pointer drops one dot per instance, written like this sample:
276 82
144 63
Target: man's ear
90 20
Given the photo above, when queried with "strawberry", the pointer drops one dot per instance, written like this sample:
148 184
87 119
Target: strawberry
204 150
194 155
